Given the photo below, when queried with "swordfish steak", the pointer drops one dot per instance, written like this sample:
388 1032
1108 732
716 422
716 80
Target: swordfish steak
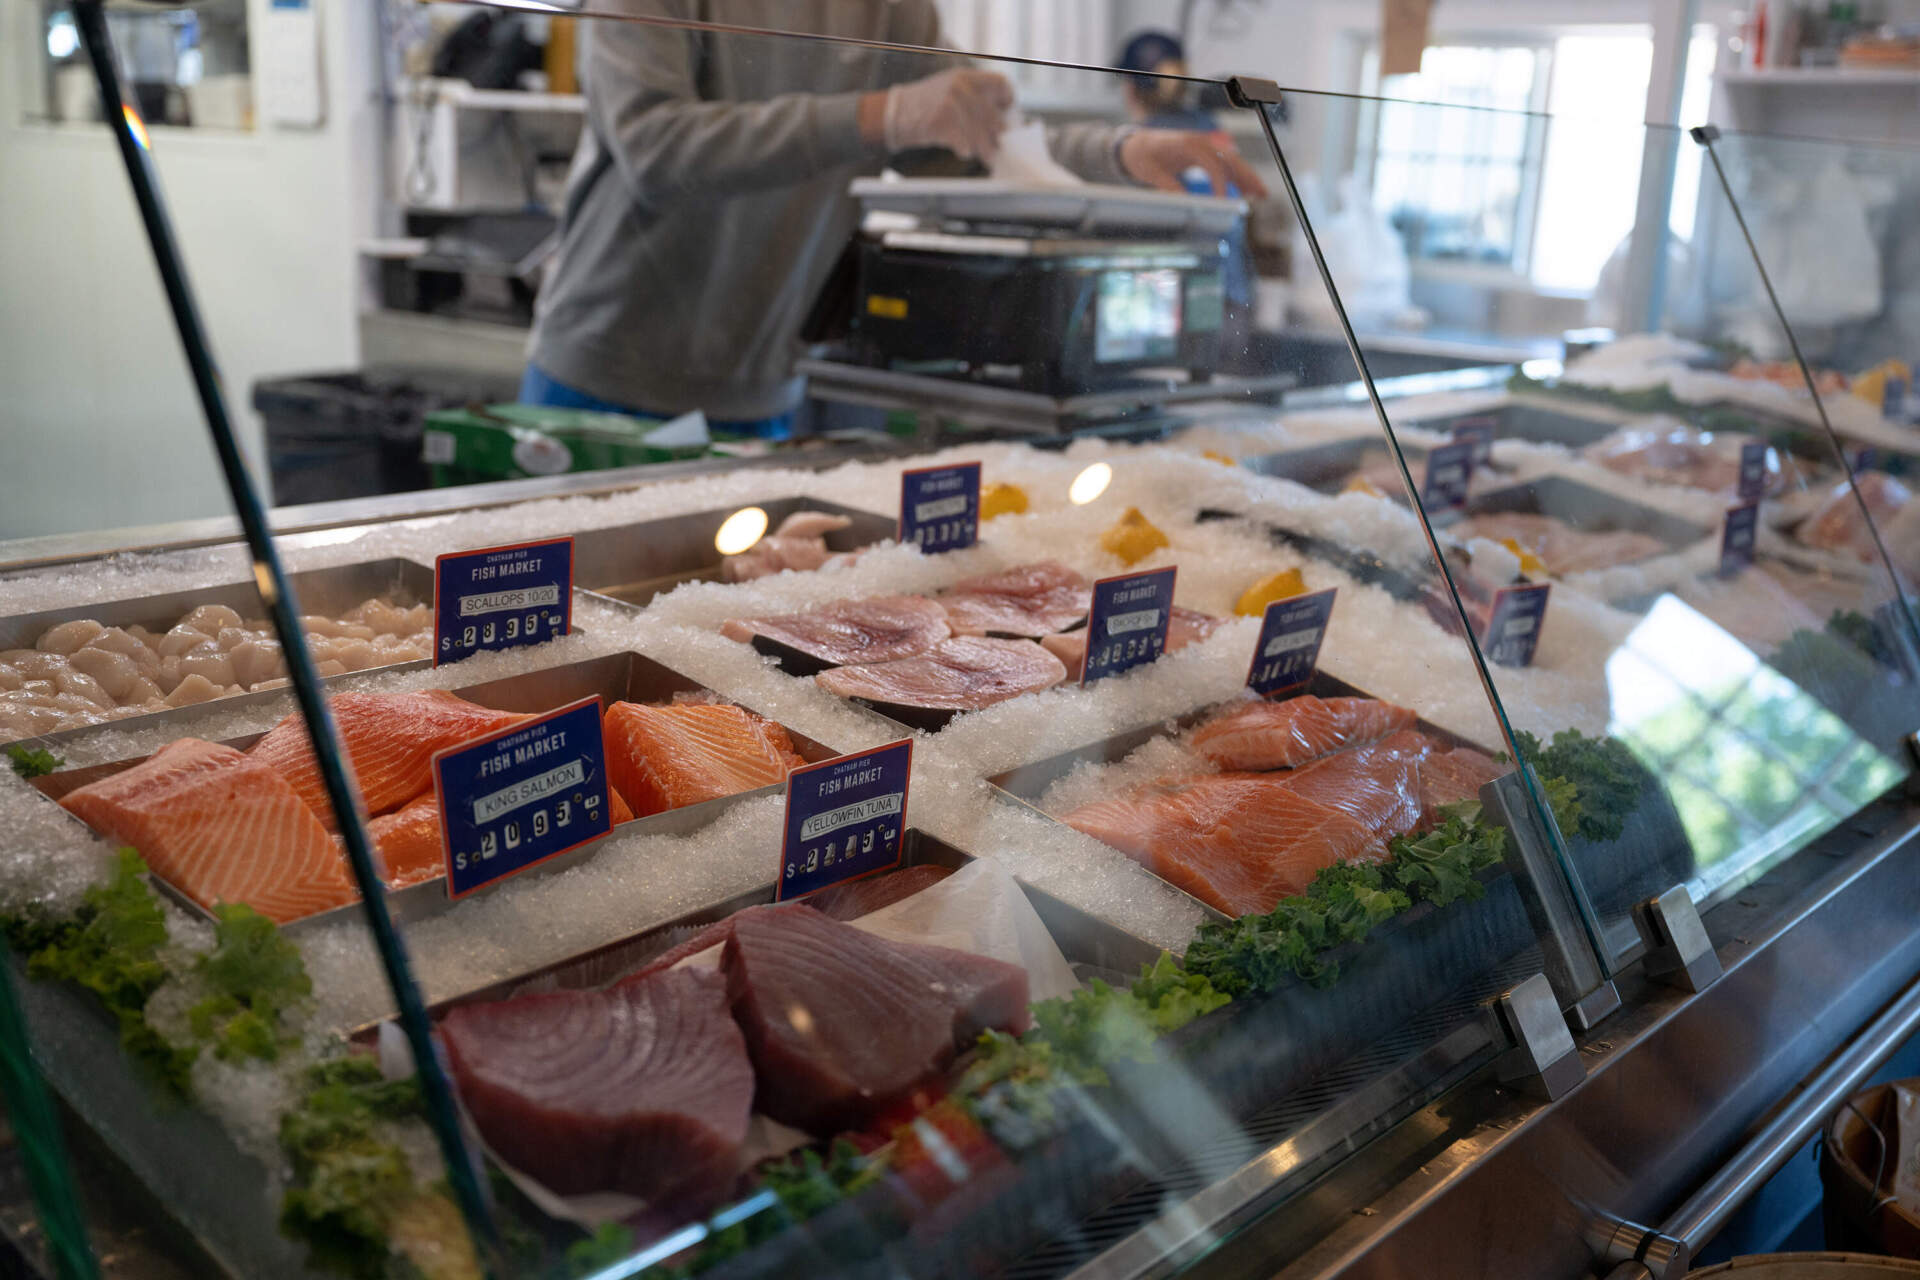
220 827
965 673
644 1087
877 629
1033 600
841 1024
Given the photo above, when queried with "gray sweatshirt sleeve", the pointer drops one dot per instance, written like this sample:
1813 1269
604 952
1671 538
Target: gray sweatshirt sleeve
666 143
1092 151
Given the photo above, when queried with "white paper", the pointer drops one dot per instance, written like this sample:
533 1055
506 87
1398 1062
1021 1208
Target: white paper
684 431
1023 159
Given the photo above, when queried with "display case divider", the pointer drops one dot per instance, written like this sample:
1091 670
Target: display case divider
1573 966
1543 1059
1678 953
270 576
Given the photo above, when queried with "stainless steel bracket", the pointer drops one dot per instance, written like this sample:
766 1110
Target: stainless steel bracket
1679 953
1543 1059
1552 899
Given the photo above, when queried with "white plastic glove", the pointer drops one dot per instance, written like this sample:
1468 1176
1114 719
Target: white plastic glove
962 110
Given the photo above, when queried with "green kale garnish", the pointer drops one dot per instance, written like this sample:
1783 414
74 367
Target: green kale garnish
610 1243
1344 904
111 946
348 1180
1607 780
256 976
31 762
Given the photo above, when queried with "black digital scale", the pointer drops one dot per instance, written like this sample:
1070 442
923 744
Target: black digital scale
1058 291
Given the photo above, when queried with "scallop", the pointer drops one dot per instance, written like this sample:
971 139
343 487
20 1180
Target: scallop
79 684
68 636
231 638
169 674
115 672
183 639
192 690
257 660
216 667
131 646
208 619
356 655
145 693
315 625
27 721
10 678
384 618
33 664
331 667
39 692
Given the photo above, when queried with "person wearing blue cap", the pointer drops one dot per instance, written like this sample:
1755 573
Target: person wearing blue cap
1159 97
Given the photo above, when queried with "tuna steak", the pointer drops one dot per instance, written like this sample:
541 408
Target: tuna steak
1034 600
643 1088
841 1024
877 629
962 674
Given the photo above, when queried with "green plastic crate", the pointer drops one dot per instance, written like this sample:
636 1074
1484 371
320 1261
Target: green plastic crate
474 445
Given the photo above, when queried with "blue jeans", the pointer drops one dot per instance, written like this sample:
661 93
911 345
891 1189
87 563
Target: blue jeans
537 387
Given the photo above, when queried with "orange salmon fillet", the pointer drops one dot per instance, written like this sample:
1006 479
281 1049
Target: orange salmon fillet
1237 843
1284 735
391 739
220 827
1378 788
662 758
1452 776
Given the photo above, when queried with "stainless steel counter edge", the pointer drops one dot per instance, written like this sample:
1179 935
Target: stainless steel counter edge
1487 1183
65 548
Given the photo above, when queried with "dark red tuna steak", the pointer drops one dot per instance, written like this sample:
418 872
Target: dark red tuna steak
841 1024
643 1088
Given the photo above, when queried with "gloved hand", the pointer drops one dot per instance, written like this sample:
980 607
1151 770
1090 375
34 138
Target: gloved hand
1157 158
962 110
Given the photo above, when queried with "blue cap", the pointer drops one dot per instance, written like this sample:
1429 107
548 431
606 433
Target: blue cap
1150 49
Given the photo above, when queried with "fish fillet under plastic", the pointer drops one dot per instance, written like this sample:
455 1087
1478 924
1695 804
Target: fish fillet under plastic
220 827
1285 735
965 673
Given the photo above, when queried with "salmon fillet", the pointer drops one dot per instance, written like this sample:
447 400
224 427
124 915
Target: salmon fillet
1452 776
1377 786
1236 842
220 827
662 758
391 739
1285 735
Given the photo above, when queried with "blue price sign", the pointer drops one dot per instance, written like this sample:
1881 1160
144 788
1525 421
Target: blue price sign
1893 402
1449 472
521 795
1128 623
940 507
501 597
1753 470
1738 537
1290 642
846 818
1479 432
1514 623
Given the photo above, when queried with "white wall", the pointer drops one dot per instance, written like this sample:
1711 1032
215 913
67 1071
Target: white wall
99 426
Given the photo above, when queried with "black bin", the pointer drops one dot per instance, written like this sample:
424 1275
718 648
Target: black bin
355 435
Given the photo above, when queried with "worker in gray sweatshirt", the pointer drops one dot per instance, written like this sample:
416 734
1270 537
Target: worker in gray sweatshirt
708 199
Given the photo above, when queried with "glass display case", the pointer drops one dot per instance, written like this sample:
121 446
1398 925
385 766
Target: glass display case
1054 833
